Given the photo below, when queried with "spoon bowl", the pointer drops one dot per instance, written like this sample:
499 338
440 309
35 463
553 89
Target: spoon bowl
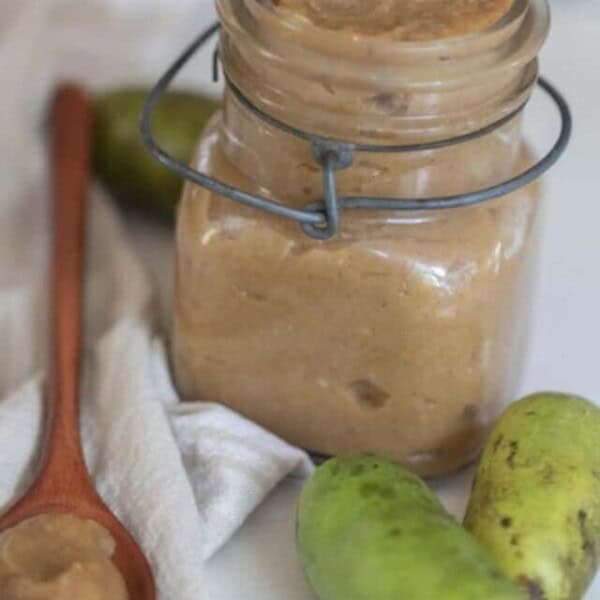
87 504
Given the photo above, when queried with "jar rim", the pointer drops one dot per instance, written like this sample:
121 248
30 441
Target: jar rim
512 41
515 14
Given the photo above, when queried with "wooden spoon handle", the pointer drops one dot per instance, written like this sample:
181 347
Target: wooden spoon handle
70 171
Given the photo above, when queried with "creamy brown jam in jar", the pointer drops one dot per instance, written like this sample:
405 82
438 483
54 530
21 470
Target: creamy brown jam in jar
404 334
401 20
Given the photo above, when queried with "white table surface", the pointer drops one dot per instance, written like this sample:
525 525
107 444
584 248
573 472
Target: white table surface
260 562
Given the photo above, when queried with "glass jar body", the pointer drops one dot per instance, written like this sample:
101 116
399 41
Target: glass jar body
404 335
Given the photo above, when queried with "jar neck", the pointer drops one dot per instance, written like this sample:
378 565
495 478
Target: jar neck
373 90
280 165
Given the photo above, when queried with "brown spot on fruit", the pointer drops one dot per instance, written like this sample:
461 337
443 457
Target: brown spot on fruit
357 470
497 442
506 522
372 489
587 543
532 587
548 475
514 449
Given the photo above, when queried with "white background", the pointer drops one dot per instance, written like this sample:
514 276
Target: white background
260 563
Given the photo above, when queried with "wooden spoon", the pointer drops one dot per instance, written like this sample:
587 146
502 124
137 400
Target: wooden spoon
63 484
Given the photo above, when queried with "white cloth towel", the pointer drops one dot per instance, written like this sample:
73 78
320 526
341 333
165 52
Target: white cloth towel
182 477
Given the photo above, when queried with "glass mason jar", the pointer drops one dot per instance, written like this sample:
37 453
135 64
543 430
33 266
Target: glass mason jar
405 334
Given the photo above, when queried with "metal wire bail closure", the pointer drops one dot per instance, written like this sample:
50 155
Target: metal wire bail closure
321 220
332 157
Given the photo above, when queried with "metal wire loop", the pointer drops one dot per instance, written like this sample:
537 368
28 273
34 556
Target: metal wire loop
331 213
321 220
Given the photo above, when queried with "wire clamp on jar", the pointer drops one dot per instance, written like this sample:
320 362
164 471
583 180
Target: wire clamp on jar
321 220
332 157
